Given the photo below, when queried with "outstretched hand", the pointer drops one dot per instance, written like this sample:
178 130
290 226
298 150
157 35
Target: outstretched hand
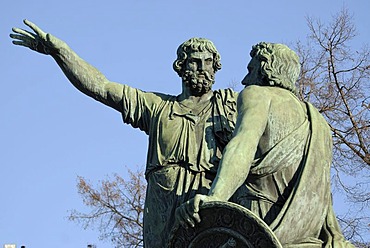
38 41
187 214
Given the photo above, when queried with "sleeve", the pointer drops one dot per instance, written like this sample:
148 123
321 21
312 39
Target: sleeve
138 107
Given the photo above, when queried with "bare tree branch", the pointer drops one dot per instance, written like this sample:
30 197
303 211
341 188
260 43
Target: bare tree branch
336 80
116 208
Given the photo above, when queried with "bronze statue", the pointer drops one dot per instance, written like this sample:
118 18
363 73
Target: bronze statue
187 133
278 163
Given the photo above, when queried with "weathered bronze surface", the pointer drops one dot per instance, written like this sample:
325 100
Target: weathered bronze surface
278 163
225 224
187 132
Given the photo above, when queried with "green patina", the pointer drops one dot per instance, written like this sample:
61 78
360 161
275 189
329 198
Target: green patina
276 164
187 133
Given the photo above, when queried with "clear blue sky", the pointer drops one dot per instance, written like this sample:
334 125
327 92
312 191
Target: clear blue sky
50 133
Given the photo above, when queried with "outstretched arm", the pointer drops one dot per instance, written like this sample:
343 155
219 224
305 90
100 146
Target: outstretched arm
81 74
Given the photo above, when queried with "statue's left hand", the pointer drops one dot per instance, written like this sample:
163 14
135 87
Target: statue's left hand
38 41
187 213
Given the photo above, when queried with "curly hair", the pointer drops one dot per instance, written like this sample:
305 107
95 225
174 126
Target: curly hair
195 45
279 65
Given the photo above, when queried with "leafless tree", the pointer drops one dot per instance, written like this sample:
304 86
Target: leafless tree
116 208
335 78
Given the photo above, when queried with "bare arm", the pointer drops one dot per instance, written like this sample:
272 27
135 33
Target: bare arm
253 110
81 74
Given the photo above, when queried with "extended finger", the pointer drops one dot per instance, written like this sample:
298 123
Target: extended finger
23 32
35 28
196 203
196 217
198 200
180 218
21 37
186 217
21 43
25 41
192 212
190 221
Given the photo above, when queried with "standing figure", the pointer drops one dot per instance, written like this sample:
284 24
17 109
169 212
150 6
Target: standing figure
278 163
187 133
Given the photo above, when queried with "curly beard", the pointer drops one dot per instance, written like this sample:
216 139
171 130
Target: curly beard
199 83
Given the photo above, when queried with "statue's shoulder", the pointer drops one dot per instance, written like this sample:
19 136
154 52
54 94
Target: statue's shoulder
255 92
130 91
162 97
166 97
257 88
226 94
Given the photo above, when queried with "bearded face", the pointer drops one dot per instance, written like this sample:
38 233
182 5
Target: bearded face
254 76
199 73
199 82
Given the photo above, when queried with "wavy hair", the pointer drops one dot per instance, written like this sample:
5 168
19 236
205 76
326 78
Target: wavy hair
195 45
279 65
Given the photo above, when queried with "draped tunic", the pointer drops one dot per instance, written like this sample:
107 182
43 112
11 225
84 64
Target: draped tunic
184 150
289 187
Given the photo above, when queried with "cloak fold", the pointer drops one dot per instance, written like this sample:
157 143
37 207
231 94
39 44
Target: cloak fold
307 211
